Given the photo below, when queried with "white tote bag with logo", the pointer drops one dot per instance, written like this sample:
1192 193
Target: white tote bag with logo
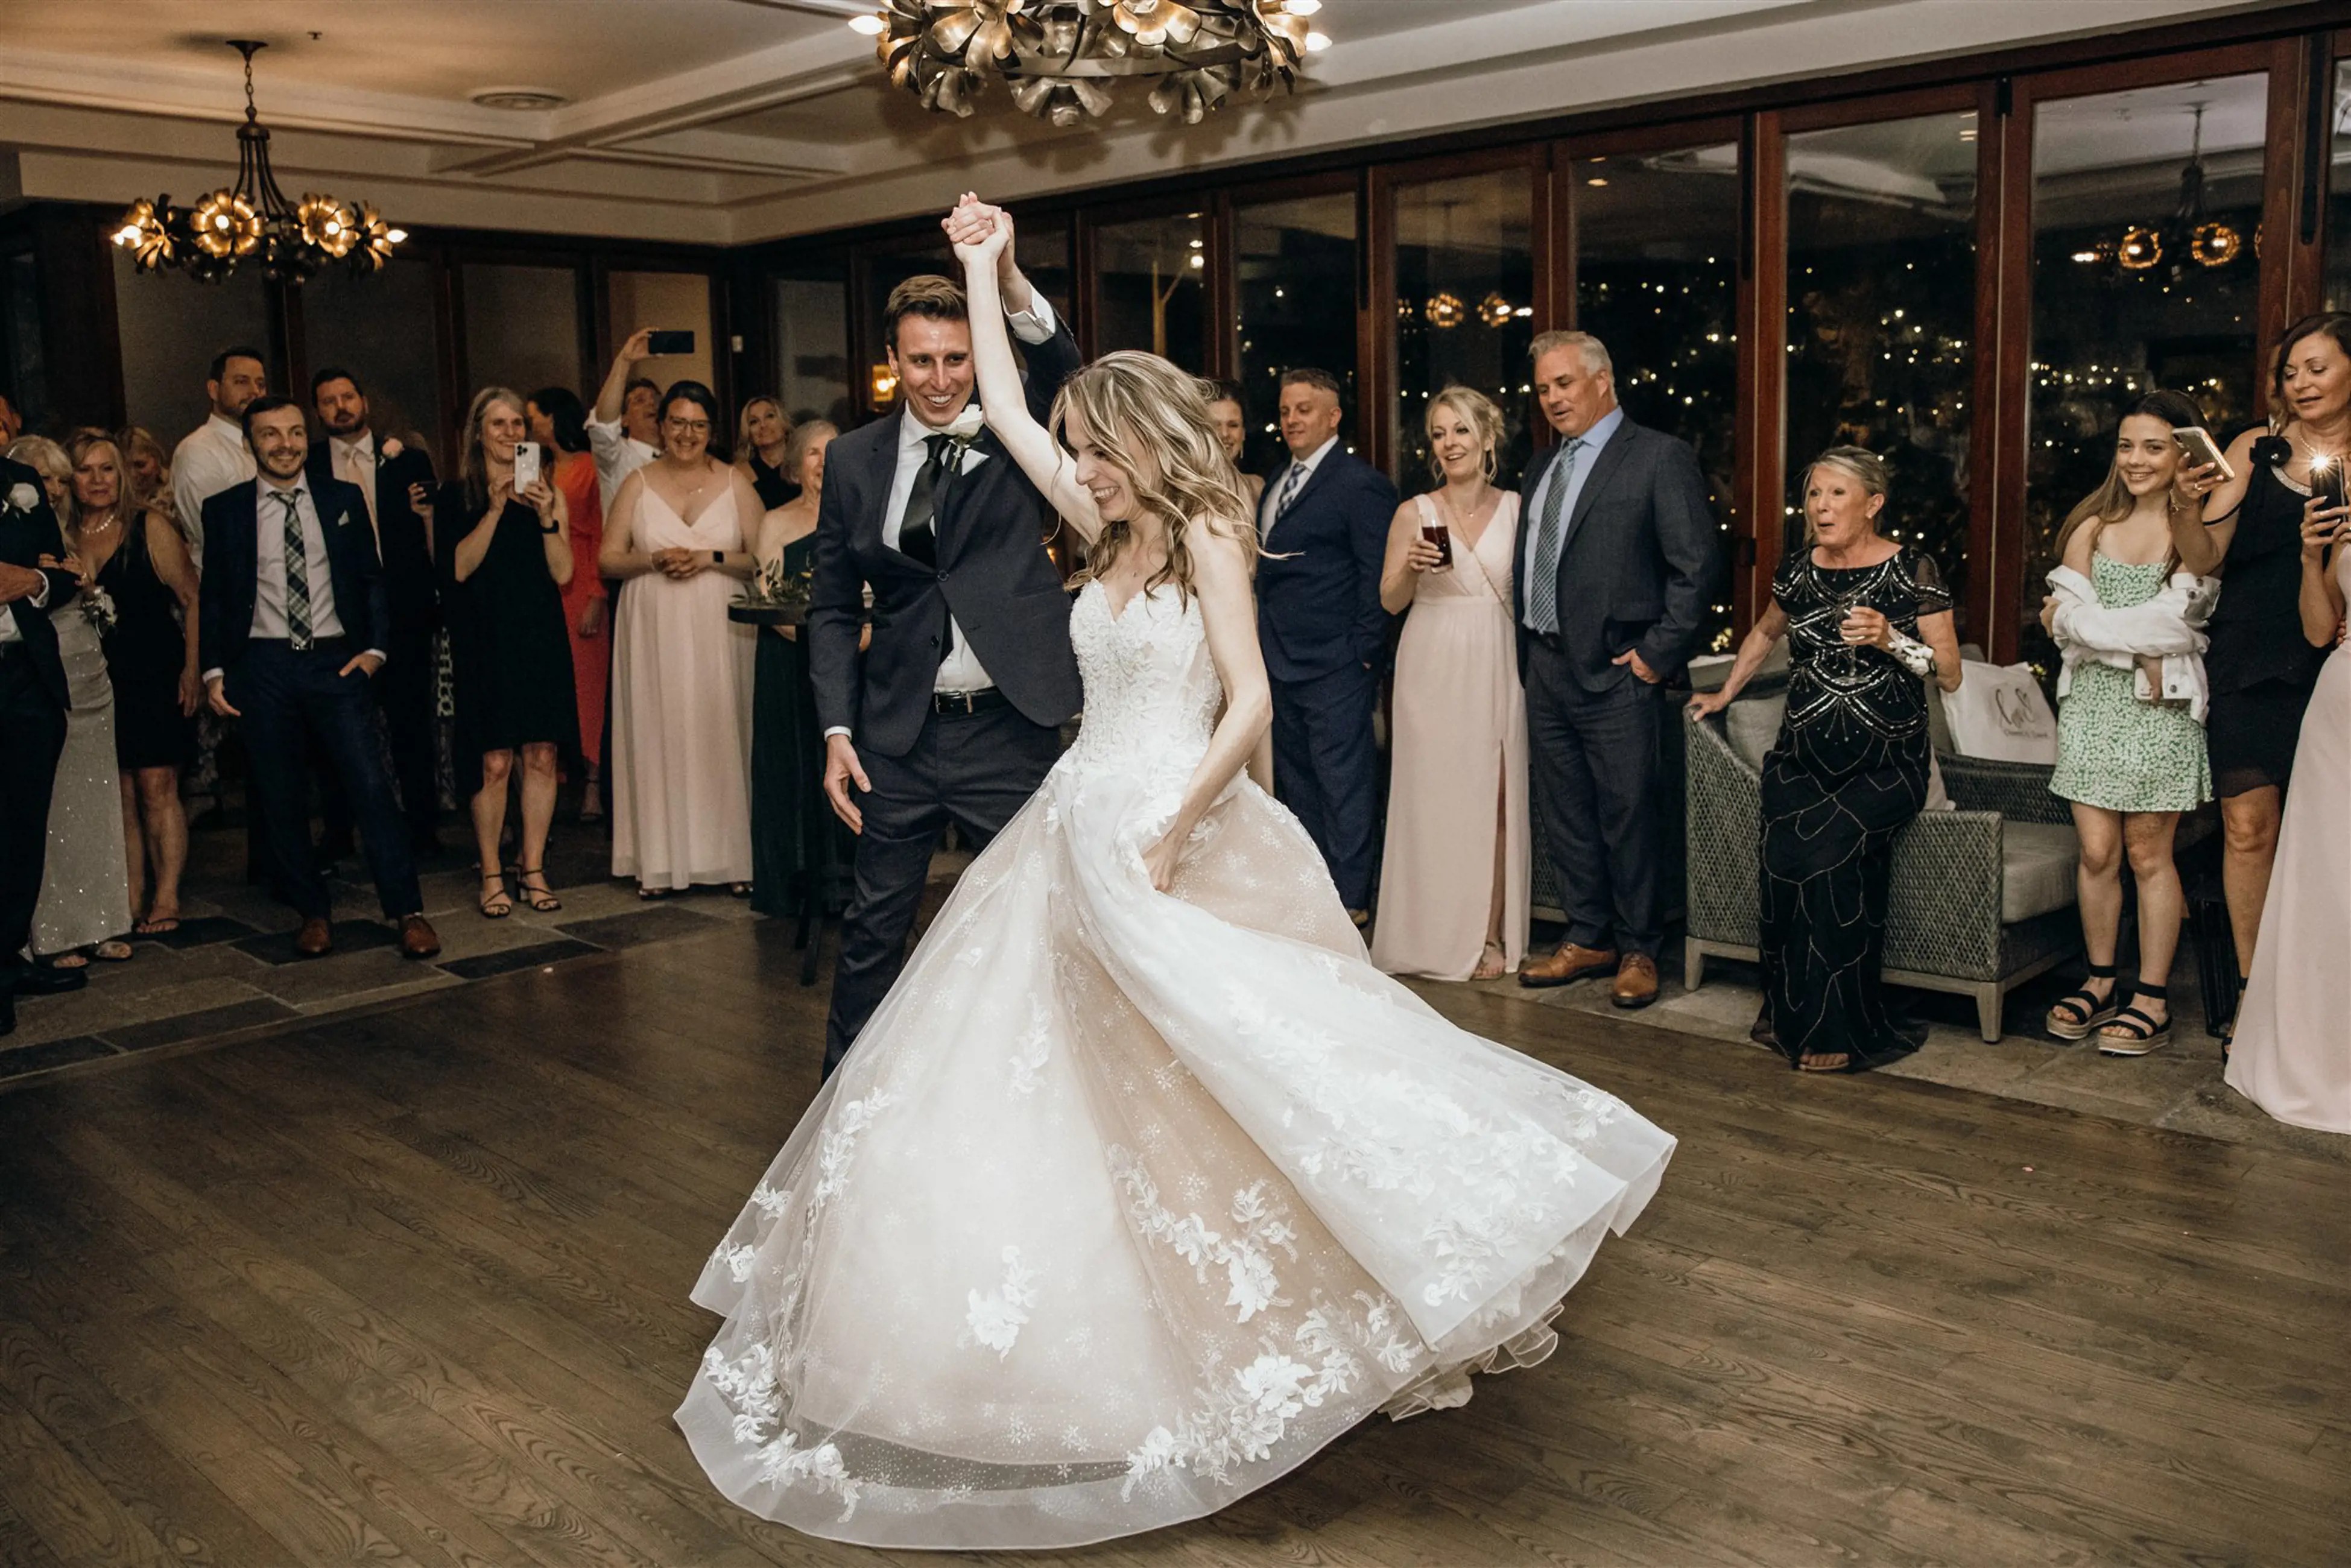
2000 712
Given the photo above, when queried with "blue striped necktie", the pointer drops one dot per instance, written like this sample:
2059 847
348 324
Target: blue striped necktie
1543 592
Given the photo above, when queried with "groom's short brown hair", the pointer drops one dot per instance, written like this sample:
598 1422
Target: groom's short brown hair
926 294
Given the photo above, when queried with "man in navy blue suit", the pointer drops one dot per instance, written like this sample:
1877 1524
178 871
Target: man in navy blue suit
1324 521
292 623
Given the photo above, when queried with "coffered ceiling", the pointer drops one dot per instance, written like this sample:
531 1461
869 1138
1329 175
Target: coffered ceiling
734 121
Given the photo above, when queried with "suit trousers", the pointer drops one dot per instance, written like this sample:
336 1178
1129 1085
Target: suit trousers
405 690
290 700
1326 770
1593 762
976 771
32 737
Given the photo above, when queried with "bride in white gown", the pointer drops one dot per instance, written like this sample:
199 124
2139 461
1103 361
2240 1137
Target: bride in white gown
1142 1184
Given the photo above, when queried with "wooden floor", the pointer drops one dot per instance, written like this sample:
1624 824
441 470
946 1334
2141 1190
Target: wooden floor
411 1287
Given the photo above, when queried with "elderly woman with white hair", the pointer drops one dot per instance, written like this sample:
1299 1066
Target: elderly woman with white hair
1868 618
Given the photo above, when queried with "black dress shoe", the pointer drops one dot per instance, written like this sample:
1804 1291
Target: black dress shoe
41 980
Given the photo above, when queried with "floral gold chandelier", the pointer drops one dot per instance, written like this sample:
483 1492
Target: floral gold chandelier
1059 56
252 222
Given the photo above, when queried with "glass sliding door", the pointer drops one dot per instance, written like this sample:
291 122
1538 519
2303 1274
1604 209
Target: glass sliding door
1151 279
1657 243
1465 307
2147 214
2338 286
1294 263
1881 317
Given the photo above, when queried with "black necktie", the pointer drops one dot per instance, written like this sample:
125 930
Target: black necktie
918 534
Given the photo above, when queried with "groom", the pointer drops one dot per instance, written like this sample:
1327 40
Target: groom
953 712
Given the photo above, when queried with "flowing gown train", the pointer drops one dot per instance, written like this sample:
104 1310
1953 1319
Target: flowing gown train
1125 1203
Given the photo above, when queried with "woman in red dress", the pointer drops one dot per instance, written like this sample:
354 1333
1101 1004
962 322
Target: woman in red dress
558 421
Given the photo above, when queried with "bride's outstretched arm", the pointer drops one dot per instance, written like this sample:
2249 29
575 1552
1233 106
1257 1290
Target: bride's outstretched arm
1002 399
1220 577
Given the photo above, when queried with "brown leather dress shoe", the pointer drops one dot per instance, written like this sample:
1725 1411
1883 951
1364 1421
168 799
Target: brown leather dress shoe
315 940
1637 981
417 938
1570 964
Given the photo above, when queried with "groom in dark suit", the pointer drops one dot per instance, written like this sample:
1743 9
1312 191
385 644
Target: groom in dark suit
954 713
291 626
1324 523
33 703
1618 558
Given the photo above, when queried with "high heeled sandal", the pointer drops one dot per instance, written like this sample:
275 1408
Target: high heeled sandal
493 905
541 899
2133 1031
2075 1015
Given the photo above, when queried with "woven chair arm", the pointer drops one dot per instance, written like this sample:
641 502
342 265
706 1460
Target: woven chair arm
2015 790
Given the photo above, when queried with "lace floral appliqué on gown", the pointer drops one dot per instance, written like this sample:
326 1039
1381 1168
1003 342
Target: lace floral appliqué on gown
1125 1203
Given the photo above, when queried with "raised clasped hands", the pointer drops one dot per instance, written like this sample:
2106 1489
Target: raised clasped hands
979 230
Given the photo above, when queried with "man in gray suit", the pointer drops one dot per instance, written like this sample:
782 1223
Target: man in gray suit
1618 559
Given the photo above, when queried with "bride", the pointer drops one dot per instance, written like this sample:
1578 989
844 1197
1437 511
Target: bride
1142 1184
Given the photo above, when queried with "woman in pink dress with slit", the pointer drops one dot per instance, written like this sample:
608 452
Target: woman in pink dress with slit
679 534
1453 879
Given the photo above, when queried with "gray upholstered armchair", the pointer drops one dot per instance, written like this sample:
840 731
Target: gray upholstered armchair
1982 898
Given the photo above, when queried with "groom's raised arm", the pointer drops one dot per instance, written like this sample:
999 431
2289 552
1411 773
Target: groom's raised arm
836 610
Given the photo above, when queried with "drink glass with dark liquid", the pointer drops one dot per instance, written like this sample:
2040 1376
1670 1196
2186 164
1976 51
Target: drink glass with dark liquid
1440 536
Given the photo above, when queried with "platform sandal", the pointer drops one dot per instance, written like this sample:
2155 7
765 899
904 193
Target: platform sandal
2132 1032
2080 1011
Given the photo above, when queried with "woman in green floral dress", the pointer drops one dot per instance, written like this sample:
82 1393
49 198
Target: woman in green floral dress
2127 607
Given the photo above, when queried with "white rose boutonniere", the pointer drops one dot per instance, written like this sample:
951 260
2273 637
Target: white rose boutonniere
392 448
23 498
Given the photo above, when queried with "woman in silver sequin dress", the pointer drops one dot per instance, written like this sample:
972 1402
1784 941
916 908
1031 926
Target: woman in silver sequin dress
84 894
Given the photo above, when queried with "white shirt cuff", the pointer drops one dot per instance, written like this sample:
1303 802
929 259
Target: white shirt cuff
1036 324
836 729
39 598
377 654
212 675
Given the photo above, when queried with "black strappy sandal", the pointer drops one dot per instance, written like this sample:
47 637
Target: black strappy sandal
2228 1026
2140 1031
2088 1010
541 899
493 905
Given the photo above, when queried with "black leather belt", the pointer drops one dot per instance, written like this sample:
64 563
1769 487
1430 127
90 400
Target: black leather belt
963 704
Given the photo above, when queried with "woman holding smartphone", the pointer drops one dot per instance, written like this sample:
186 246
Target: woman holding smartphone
2261 667
510 655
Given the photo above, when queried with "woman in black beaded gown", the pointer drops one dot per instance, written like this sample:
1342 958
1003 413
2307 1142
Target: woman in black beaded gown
2260 668
502 577
1866 619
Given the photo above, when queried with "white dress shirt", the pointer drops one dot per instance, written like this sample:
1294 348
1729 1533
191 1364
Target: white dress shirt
1530 512
1278 485
354 463
960 670
212 457
618 454
269 565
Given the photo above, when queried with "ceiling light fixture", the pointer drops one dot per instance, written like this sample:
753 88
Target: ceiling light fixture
1059 57
252 222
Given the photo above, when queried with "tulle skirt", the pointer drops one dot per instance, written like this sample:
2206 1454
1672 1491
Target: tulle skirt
1125 1203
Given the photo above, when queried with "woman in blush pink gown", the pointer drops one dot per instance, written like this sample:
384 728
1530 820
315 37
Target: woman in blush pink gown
2291 1053
1453 880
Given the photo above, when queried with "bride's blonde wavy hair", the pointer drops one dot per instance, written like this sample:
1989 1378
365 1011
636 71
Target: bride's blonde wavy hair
1142 412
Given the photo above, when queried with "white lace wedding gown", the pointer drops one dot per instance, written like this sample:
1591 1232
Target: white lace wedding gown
1125 1204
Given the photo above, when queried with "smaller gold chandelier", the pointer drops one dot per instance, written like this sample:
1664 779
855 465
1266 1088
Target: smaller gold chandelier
1445 311
252 220
1058 57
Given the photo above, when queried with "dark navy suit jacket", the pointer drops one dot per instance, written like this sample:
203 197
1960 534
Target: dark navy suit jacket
26 536
1318 590
231 581
1641 561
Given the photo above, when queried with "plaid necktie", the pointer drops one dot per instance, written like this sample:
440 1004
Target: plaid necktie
297 578
1543 590
1289 488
